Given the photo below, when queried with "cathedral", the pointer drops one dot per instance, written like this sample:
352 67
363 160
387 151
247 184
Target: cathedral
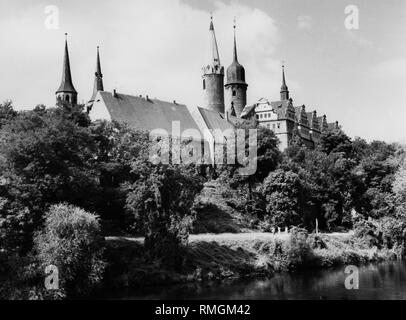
225 105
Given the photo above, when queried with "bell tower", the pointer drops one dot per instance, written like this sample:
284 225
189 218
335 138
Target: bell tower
236 87
213 76
66 91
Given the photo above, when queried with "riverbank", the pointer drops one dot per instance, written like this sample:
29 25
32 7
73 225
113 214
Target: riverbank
228 256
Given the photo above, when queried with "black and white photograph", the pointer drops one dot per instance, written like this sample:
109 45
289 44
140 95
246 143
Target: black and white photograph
217 150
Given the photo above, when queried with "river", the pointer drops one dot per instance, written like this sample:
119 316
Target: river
381 281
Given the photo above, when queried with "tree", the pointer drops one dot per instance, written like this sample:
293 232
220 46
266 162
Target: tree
46 157
7 112
284 193
161 198
334 141
71 240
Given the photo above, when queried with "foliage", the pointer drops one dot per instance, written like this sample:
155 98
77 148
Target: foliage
284 196
71 240
299 252
160 200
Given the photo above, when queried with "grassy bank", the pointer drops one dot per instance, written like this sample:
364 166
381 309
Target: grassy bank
221 256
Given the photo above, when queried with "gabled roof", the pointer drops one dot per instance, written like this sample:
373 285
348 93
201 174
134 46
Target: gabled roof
247 110
284 109
148 114
215 120
313 120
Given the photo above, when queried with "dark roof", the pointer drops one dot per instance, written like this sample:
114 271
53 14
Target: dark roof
235 72
215 120
98 78
284 109
148 114
247 110
333 125
66 82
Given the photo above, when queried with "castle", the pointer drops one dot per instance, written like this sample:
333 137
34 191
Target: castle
225 105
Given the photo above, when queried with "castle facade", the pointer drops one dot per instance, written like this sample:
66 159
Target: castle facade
225 105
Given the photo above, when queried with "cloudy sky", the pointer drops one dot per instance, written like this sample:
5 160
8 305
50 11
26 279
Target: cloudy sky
157 47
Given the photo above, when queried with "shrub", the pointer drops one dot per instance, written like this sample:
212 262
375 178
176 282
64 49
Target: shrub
299 251
71 241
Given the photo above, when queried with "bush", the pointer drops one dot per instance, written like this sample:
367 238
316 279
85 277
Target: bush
299 251
71 241
367 231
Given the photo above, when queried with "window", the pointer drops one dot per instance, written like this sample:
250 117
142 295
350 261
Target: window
67 98
279 125
261 115
268 126
234 93
273 126
204 84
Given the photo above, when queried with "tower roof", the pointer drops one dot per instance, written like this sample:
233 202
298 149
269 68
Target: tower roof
284 88
98 77
66 82
213 58
235 72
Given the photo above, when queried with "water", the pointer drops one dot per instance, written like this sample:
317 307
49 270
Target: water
376 281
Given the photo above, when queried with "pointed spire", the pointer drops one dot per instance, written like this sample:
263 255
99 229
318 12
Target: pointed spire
284 88
66 82
98 78
235 45
214 58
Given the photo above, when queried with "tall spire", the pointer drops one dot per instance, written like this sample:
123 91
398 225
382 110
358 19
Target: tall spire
98 78
284 87
66 90
213 75
236 87
235 45
214 57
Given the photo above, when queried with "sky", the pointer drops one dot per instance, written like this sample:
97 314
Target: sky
158 48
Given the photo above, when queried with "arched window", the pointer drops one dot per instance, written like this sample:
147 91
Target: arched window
204 84
234 93
67 98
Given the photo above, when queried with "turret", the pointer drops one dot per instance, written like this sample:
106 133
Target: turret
66 91
236 87
213 76
98 79
284 87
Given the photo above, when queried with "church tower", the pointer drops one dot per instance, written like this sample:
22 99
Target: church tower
213 76
66 91
98 79
236 88
284 87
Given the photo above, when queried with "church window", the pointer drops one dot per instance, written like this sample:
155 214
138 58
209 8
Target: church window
234 93
204 84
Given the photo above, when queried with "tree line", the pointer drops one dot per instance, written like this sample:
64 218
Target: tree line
69 180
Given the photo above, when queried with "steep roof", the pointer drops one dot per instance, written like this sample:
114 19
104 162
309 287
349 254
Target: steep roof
215 120
98 77
66 82
213 58
247 110
235 72
149 114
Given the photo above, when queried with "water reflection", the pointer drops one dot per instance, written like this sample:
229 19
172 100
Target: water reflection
376 281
